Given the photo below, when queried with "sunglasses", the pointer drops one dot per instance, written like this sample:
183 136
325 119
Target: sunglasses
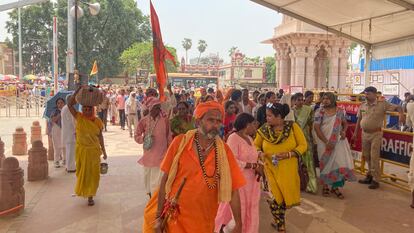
270 105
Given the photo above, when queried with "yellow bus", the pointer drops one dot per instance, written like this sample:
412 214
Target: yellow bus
189 81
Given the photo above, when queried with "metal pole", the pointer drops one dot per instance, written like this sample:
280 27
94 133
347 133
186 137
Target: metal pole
20 46
367 71
55 55
69 69
76 35
76 71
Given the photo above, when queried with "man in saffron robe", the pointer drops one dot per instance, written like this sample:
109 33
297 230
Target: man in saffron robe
212 174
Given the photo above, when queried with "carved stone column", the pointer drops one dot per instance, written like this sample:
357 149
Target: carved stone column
300 64
284 69
292 69
343 67
310 79
333 80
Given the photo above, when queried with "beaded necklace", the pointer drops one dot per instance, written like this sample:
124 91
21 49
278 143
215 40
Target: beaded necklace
216 174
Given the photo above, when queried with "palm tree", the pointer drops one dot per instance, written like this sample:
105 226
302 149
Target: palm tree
187 43
232 50
202 45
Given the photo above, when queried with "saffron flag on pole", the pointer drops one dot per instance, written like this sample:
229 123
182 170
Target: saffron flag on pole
94 68
160 53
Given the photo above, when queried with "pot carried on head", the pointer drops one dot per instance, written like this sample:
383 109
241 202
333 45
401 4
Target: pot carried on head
89 96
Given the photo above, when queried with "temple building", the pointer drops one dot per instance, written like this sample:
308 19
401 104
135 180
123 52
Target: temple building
6 59
309 57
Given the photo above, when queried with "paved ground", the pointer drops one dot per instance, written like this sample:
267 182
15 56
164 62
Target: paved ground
50 206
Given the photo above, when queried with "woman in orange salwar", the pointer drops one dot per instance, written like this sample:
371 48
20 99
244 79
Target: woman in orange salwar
89 147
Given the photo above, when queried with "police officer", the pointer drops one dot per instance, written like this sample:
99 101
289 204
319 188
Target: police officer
371 116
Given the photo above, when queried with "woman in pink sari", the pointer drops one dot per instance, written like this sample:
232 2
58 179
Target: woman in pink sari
241 144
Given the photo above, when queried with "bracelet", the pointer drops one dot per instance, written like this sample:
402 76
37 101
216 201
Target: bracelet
290 154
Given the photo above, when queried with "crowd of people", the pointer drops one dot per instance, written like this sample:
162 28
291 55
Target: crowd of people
226 148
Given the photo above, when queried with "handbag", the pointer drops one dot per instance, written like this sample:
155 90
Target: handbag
303 174
148 140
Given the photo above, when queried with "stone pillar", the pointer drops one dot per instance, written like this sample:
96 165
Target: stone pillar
19 142
2 157
36 132
37 168
284 71
292 69
343 67
300 64
333 80
310 79
50 151
11 186
278 78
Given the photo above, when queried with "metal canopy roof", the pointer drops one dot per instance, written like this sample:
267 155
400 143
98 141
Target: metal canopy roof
368 22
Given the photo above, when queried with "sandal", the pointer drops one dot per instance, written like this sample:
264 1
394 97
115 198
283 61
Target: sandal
337 193
281 227
91 202
325 191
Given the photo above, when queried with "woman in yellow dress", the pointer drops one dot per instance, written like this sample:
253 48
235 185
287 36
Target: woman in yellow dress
89 148
281 143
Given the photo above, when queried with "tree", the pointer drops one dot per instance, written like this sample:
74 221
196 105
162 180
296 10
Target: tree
103 37
351 50
187 43
270 69
202 45
232 50
36 36
140 56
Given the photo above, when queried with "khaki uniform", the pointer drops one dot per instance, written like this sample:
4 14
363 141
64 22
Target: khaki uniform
372 121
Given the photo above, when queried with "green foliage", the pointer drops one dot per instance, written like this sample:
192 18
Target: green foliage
140 56
270 69
187 44
36 36
102 37
202 46
232 50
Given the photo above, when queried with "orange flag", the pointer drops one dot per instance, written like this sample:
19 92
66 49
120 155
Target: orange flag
94 68
160 53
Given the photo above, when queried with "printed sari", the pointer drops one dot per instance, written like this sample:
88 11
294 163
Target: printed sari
336 165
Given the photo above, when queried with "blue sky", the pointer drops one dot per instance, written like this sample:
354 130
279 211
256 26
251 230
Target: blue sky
221 23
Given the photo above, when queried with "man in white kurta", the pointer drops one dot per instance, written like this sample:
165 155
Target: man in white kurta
68 138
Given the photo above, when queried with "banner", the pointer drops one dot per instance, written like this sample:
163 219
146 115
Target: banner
397 146
351 109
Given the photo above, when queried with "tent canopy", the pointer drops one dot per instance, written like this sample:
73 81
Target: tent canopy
372 23
10 4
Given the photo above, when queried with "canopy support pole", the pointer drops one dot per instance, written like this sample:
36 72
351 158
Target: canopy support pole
367 68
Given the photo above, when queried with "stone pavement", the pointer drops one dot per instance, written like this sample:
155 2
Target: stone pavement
51 207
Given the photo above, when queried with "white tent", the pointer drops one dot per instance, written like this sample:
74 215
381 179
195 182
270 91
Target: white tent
10 4
384 27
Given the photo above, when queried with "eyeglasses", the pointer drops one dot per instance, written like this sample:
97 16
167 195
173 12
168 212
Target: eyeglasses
269 105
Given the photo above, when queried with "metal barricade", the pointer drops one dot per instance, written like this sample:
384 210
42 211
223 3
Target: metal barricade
13 106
